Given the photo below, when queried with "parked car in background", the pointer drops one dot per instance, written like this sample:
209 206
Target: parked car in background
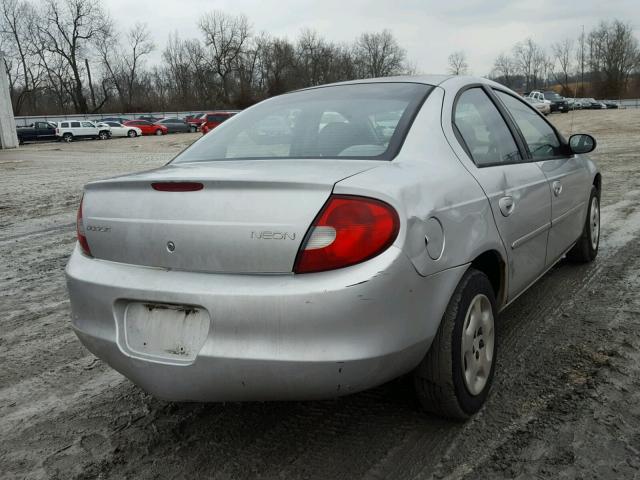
557 102
212 119
342 259
540 105
112 119
36 131
611 104
592 104
196 120
192 116
574 103
120 130
147 128
73 130
175 125
149 118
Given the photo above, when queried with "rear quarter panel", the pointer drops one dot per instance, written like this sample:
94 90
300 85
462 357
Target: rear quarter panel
426 181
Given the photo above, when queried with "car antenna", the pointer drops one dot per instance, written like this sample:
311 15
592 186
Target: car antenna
573 112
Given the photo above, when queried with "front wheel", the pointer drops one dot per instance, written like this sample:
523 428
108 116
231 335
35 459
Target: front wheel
132 134
158 132
454 378
103 135
586 248
193 129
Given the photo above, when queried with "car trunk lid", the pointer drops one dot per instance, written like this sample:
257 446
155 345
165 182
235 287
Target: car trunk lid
247 217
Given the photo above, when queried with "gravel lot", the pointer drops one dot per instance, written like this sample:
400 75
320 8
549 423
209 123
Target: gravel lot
565 404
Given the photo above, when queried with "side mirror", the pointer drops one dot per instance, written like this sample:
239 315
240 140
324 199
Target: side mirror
582 143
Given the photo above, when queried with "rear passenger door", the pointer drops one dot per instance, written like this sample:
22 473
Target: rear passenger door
75 128
516 188
568 177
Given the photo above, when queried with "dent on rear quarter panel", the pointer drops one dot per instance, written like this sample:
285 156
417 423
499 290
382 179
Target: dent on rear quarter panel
426 180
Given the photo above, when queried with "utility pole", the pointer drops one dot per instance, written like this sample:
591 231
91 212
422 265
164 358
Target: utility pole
582 62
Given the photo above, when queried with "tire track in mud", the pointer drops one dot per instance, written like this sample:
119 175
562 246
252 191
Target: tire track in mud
66 226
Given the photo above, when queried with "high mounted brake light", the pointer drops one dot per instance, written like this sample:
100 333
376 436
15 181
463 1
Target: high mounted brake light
348 230
177 186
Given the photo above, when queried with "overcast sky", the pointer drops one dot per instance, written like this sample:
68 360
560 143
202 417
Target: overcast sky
429 30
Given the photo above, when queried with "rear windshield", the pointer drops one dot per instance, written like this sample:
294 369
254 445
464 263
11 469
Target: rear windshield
359 121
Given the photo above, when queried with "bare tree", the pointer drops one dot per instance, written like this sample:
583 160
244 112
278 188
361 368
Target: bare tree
379 55
530 59
614 53
458 63
506 68
17 19
226 36
563 53
68 29
124 65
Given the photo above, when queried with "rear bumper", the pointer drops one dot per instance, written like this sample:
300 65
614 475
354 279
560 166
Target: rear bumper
271 337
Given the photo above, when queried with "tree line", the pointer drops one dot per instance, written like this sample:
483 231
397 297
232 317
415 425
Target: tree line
603 63
67 56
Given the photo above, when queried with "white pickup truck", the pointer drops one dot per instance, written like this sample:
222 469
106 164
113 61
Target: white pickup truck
555 101
75 129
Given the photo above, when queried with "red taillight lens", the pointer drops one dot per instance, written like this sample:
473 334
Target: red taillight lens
348 230
82 239
177 186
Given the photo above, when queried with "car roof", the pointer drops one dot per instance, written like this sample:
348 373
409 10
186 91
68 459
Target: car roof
447 82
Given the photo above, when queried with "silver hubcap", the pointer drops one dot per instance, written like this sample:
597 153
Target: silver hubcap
477 344
594 222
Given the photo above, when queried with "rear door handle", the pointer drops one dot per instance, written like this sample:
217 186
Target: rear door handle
557 188
507 205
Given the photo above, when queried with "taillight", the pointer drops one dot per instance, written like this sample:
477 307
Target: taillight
348 230
82 239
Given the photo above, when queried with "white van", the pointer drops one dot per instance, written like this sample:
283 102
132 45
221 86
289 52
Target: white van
73 129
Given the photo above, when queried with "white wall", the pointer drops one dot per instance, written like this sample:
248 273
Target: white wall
8 137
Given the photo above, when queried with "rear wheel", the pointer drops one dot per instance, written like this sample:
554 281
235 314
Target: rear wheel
192 129
67 137
103 135
455 376
586 248
132 134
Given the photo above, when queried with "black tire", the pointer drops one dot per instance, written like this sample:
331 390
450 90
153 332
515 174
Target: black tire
132 134
67 137
20 141
584 250
103 135
193 129
439 379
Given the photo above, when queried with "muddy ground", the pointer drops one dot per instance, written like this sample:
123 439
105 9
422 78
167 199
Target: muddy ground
565 404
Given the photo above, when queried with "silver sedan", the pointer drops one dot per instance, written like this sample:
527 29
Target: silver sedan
328 240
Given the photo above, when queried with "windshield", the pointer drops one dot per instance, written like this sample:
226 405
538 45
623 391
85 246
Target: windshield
358 121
